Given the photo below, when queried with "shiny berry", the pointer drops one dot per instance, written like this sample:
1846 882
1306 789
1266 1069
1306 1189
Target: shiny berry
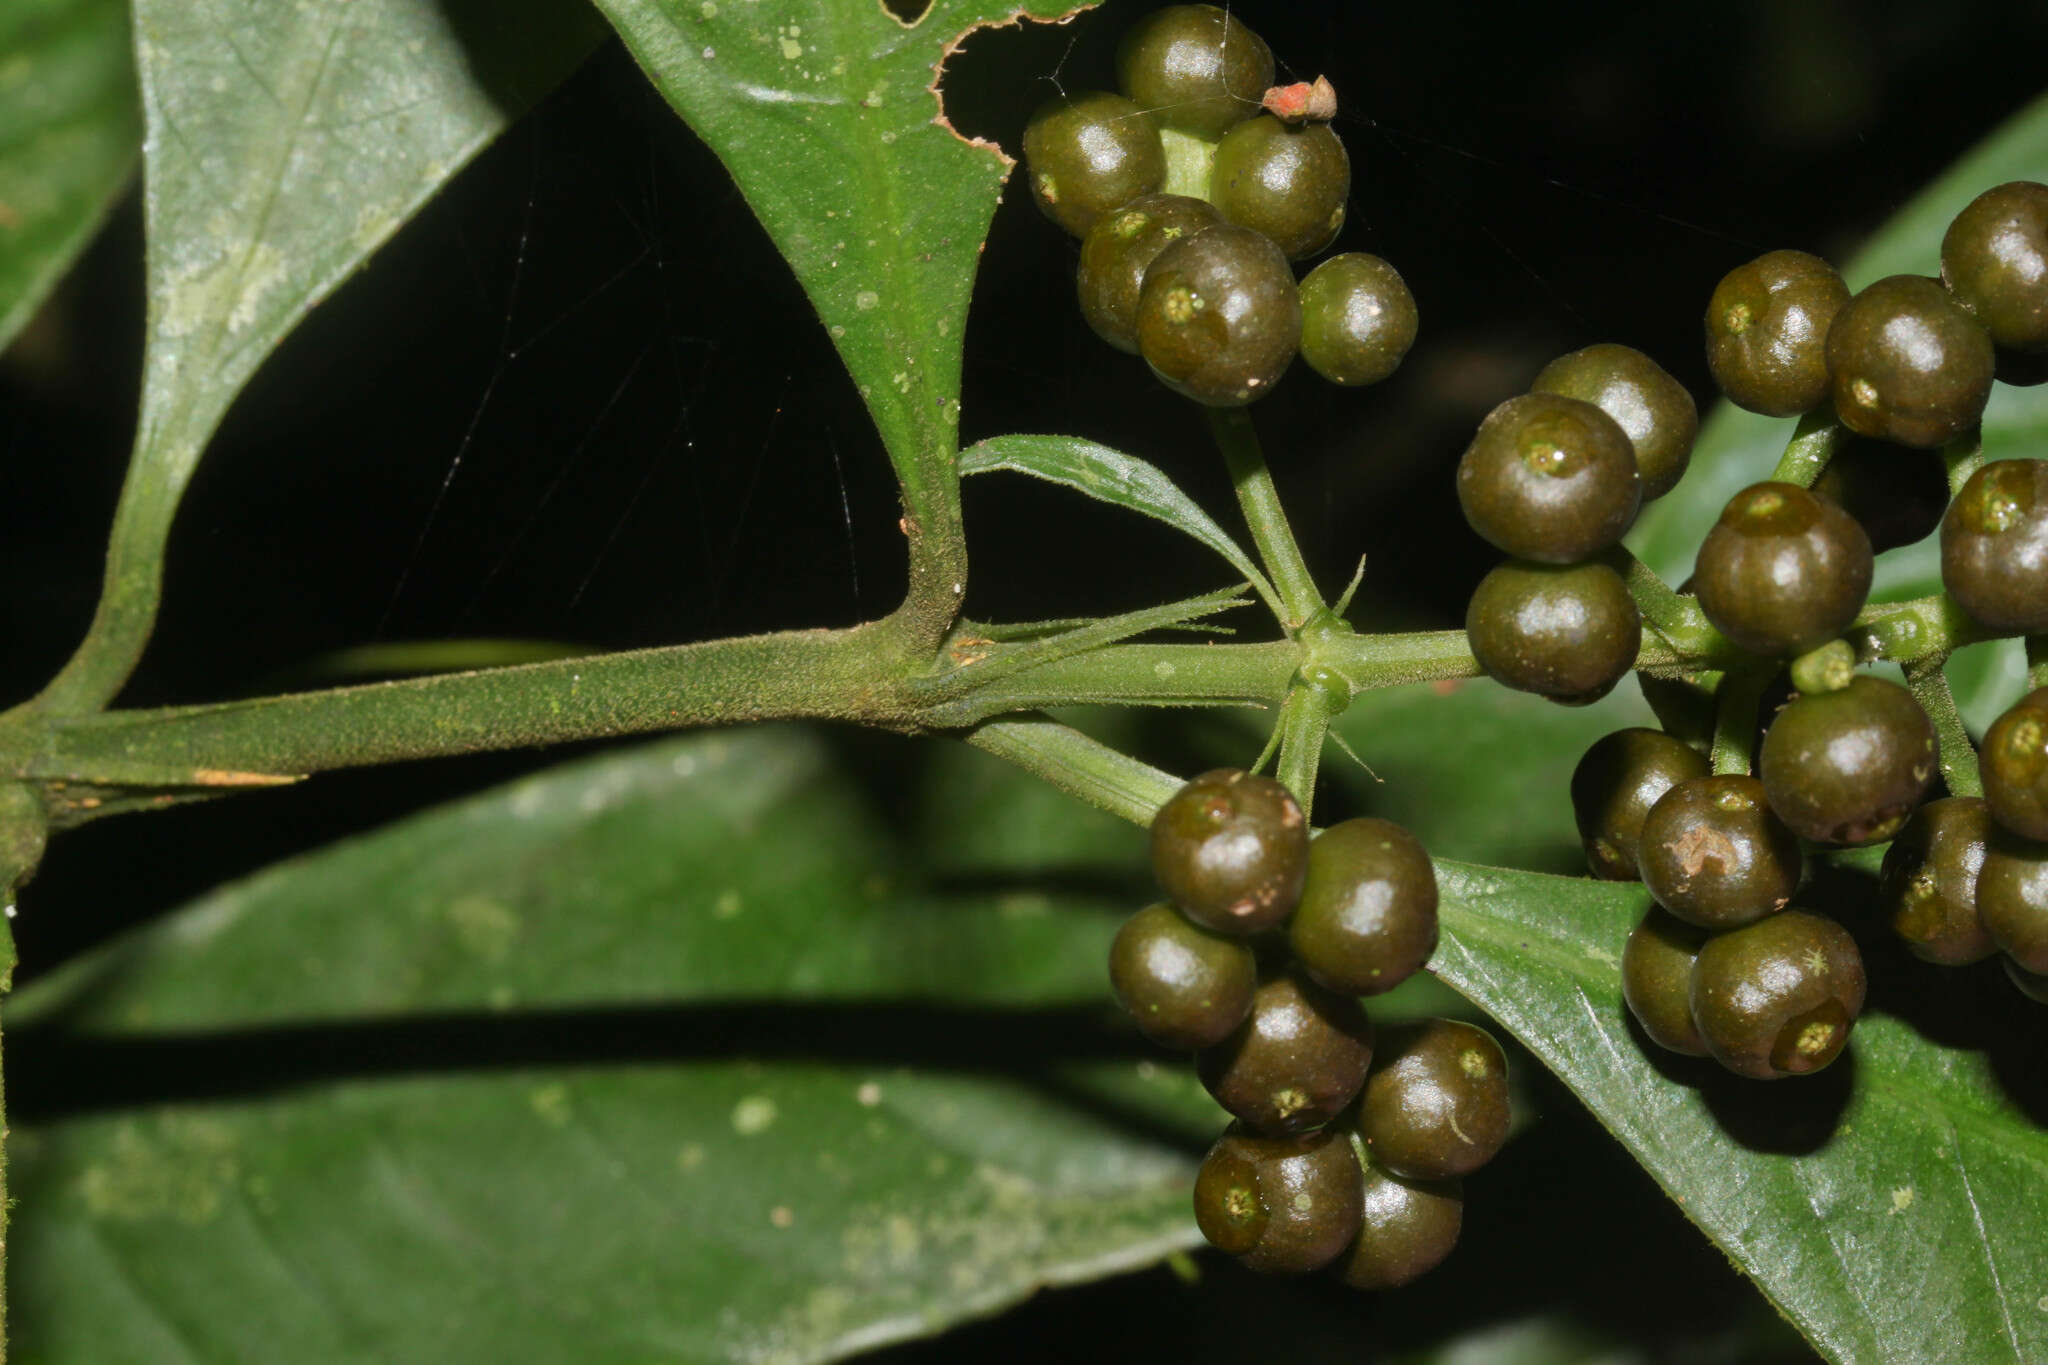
1087 155
1767 328
1848 767
1928 887
1908 363
2014 758
1231 848
1896 500
1550 479
1357 319
1183 986
1367 917
1436 1104
1613 788
1713 853
2033 985
1219 316
1290 182
1994 259
1654 409
1410 1226
1569 632
1656 980
1994 546
1118 251
2012 898
1282 1205
1783 570
1778 997
1194 68
1295 1062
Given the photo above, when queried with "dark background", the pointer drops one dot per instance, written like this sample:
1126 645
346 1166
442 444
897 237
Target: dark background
671 452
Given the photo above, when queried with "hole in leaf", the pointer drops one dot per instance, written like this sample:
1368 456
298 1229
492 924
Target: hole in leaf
908 13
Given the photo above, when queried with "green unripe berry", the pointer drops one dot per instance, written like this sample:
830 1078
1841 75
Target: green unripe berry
1087 155
2012 898
1767 329
1409 1227
1613 788
1231 849
1118 251
1183 986
1994 546
1436 1104
1219 316
1290 182
1783 570
1296 1060
1908 363
1367 917
1194 68
1653 409
1994 259
2014 761
1656 980
1928 887
1848 767
1281 1205
1714 854
1357 319
1568 632
1778 998
1549 479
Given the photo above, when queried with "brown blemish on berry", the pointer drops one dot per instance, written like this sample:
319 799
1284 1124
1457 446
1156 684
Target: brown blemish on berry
1701 846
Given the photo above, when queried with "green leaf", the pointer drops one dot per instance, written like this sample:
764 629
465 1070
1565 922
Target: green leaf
284 144
68 137
1738 448
1113 477
503 1083
825 113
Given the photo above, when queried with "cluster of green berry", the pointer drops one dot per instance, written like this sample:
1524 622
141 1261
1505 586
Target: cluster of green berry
1721 967
1191 205
1347 1150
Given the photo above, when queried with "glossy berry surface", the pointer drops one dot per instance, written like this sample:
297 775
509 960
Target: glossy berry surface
1565 631
1281 1205
2033 985
1357 319
1183 986
1908 363
1195 68
1714 854
2012 898
1653 409
1219 317
1549 479
1231 849
1848 767
1928 887
1782 570
1613 788
1896 501
1087 155
1778 997
1409 1227
1367 917
1994 259
1436 1105
1295 1062
1656 980
2014 762
1118 251
1767 329
1290 182
1994 546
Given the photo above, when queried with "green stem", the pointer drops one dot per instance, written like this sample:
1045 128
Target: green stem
1814 442
1958 755
1735 703
1679 619
129 596
1931 627
1134 675
1367 662
1239 442
1304 721
1963 456
2037 661
1084 768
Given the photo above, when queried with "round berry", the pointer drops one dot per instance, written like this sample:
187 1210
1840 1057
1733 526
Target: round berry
1550 479
1436 1105
1410 1226
1183 986
1656 980
2015 767
1994 259
1282 1205
2033 985
1848 767
1767 329
1714 854
1118 251
1896 501
1296 1060
1290 182
1778 997
1654 409
2012 898
1219 317
1783 570
1569 632
1909 364
1613 788
1357 319
1367 917
1928 887
1087 155
1194 68
1994 546
1231 848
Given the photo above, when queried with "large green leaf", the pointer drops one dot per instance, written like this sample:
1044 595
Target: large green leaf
1738 448
526 1100
69 132
826 114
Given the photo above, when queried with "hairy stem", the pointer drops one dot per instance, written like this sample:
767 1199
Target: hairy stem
1814 442
1083 768
1304 722
1677 618
1958 756
1239 442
